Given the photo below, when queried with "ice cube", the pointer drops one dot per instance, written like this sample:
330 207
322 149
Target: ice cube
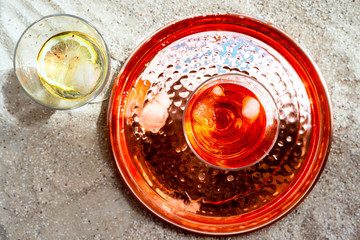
218 91
203 113
251 108
163 99
153 116
85 77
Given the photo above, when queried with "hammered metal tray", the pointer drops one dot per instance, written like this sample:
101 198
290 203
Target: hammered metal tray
154 159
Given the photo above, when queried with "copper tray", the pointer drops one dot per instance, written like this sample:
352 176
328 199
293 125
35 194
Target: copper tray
159 168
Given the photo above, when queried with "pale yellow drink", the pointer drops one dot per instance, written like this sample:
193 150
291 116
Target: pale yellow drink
71 65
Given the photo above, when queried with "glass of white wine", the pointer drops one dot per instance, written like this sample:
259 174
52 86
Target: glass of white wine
62 61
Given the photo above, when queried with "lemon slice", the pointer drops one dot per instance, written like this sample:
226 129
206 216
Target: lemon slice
68 62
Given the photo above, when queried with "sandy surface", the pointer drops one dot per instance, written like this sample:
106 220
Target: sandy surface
57 179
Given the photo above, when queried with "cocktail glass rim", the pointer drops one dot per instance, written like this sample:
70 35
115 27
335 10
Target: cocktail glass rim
229 77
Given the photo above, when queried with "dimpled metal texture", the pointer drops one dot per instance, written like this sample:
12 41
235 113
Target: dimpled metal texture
164 159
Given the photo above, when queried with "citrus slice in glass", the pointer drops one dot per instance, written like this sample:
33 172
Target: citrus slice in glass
67 62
